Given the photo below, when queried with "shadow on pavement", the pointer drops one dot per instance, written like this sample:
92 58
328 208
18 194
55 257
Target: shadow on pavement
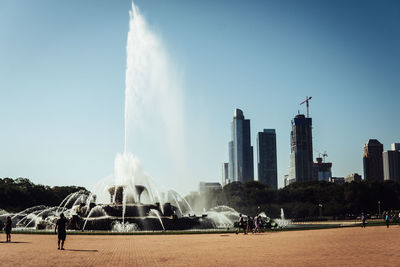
83 250
14 242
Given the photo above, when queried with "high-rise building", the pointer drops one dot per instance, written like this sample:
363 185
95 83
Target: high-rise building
372 160
395 146
225 173
301 155
266 158
391 165
241 163
322 170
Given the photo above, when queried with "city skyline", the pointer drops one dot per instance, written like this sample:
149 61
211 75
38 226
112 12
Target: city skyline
62 82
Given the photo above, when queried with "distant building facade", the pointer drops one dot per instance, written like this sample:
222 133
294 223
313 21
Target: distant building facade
225 173
266 158
241 164
301 155
287 181
395 146
391 165
322 170
354 177
372 160
336 180
205 187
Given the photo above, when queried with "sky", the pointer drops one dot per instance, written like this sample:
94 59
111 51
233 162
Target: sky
62 81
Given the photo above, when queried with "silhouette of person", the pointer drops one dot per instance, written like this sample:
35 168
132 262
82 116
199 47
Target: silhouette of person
363 219
242 225
61 226
1 225
8 228
387 219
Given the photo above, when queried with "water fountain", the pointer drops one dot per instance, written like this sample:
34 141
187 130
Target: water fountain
282 222
129 199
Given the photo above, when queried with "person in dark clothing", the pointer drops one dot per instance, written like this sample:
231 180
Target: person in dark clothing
387 219
61 226
363 219
1 225
7 228
242 225
250 224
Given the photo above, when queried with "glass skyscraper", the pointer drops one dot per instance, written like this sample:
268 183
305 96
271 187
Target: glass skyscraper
266 158
241 167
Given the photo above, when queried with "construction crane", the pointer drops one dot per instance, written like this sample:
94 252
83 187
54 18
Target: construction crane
306 101
324 155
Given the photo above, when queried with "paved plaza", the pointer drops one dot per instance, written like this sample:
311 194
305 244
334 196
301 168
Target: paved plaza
351 246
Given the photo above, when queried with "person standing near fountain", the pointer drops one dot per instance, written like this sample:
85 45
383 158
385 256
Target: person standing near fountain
242 225
8 228
61 225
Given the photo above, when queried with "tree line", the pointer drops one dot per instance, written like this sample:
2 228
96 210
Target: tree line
19 194
304 200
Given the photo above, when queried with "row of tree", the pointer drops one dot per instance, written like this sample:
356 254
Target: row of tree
304 200
19 194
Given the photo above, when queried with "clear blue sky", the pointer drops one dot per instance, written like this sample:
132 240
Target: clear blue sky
62 68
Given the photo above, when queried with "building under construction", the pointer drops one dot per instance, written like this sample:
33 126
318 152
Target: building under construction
301 155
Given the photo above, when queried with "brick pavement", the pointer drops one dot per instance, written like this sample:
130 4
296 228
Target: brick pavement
371 246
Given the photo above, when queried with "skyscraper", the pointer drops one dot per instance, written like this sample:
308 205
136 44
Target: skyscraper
372 160
266 158
391 165
241 167
301 155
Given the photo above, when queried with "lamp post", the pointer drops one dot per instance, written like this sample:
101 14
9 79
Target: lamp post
320 209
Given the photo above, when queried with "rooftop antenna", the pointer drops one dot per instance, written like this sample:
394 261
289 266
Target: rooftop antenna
306 101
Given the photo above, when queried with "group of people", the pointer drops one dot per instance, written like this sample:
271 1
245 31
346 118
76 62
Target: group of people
386 216
254 225
7 228
61 226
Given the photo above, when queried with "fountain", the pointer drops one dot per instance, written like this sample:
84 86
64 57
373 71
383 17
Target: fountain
129 199
282 222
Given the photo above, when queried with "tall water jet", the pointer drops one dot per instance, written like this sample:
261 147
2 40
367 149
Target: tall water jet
153 99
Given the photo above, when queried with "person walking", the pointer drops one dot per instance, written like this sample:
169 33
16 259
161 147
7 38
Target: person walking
387 219
250 224
8 228
241 225
61 226
256 225
363 219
